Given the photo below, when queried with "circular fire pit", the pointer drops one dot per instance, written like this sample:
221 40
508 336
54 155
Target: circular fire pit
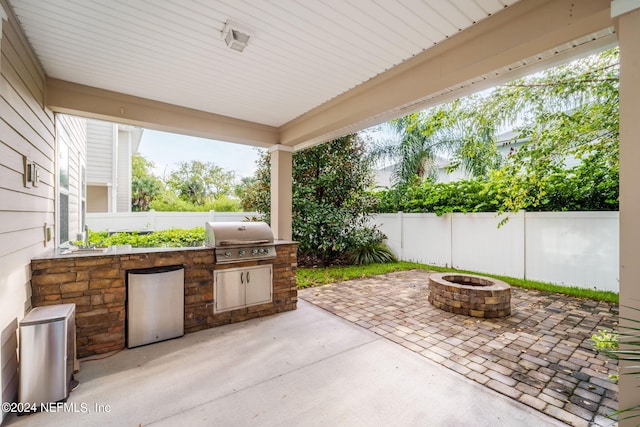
470 295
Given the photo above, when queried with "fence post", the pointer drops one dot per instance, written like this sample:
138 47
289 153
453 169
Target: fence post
524 240
151 220
401 235
450 215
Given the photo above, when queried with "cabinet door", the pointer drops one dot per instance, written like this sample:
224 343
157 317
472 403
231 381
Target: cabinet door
258 284
228 289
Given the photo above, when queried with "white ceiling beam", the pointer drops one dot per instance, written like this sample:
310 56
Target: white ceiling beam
620 7
71 98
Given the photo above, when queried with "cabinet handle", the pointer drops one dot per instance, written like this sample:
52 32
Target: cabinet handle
247 277
241 277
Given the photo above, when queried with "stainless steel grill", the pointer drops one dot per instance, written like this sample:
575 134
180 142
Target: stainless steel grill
240 241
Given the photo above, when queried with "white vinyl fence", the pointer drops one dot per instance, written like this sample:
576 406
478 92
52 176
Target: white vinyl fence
566 248
156 221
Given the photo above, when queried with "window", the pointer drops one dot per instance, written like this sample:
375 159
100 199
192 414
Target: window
63 191
83 193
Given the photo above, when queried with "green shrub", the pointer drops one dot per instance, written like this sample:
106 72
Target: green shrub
377 253
224 204
173 238
439 198
366 246
174 204
591 185
330 205
605 340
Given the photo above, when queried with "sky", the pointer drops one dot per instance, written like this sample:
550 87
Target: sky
166 150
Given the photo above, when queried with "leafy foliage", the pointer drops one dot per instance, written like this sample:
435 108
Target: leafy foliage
414 147
605 340
200 182
145 187
245 184
439 198
572 112
175 237
171 203
195 187
623 345
371 253
465 129
367 247
330 199
330 202
256 196
567 112
588 186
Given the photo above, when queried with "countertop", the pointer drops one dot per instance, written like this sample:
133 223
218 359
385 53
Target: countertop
72 252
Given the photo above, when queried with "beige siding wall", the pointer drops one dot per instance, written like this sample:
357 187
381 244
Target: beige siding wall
100 151
97 198
26 129
109 151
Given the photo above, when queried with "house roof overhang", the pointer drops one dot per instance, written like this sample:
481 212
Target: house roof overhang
513 39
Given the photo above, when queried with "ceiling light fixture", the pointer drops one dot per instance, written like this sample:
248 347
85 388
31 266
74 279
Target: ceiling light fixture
235 37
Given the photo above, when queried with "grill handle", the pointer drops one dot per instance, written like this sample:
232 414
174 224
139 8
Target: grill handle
242 242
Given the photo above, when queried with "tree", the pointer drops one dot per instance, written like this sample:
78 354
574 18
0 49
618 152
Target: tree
331 202
570 111
245 185
145 187
412 149
451 129
257 195
200 182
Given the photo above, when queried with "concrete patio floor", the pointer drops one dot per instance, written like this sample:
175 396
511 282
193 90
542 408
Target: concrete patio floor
541 355
306 368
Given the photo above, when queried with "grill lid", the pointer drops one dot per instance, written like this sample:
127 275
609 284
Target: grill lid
237 233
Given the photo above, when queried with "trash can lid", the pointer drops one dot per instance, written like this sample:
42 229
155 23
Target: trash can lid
49 313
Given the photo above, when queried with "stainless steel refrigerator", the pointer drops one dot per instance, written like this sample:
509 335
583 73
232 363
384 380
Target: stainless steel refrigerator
155 305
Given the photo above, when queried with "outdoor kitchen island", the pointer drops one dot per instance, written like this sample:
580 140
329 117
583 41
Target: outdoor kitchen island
96 283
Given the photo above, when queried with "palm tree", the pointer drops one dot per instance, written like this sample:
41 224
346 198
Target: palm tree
411 149
448 130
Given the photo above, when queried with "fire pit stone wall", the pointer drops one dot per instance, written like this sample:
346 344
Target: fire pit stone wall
470 295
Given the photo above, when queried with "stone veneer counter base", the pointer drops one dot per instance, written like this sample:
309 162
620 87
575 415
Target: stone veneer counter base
96 283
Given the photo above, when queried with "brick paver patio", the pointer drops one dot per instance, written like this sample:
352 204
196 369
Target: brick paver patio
541 355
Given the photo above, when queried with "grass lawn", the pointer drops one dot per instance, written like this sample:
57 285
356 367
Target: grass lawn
307 277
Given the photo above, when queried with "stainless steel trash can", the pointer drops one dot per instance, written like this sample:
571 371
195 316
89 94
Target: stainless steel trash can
47 353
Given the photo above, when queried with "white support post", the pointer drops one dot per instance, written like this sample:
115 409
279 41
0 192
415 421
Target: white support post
626 13
281 191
